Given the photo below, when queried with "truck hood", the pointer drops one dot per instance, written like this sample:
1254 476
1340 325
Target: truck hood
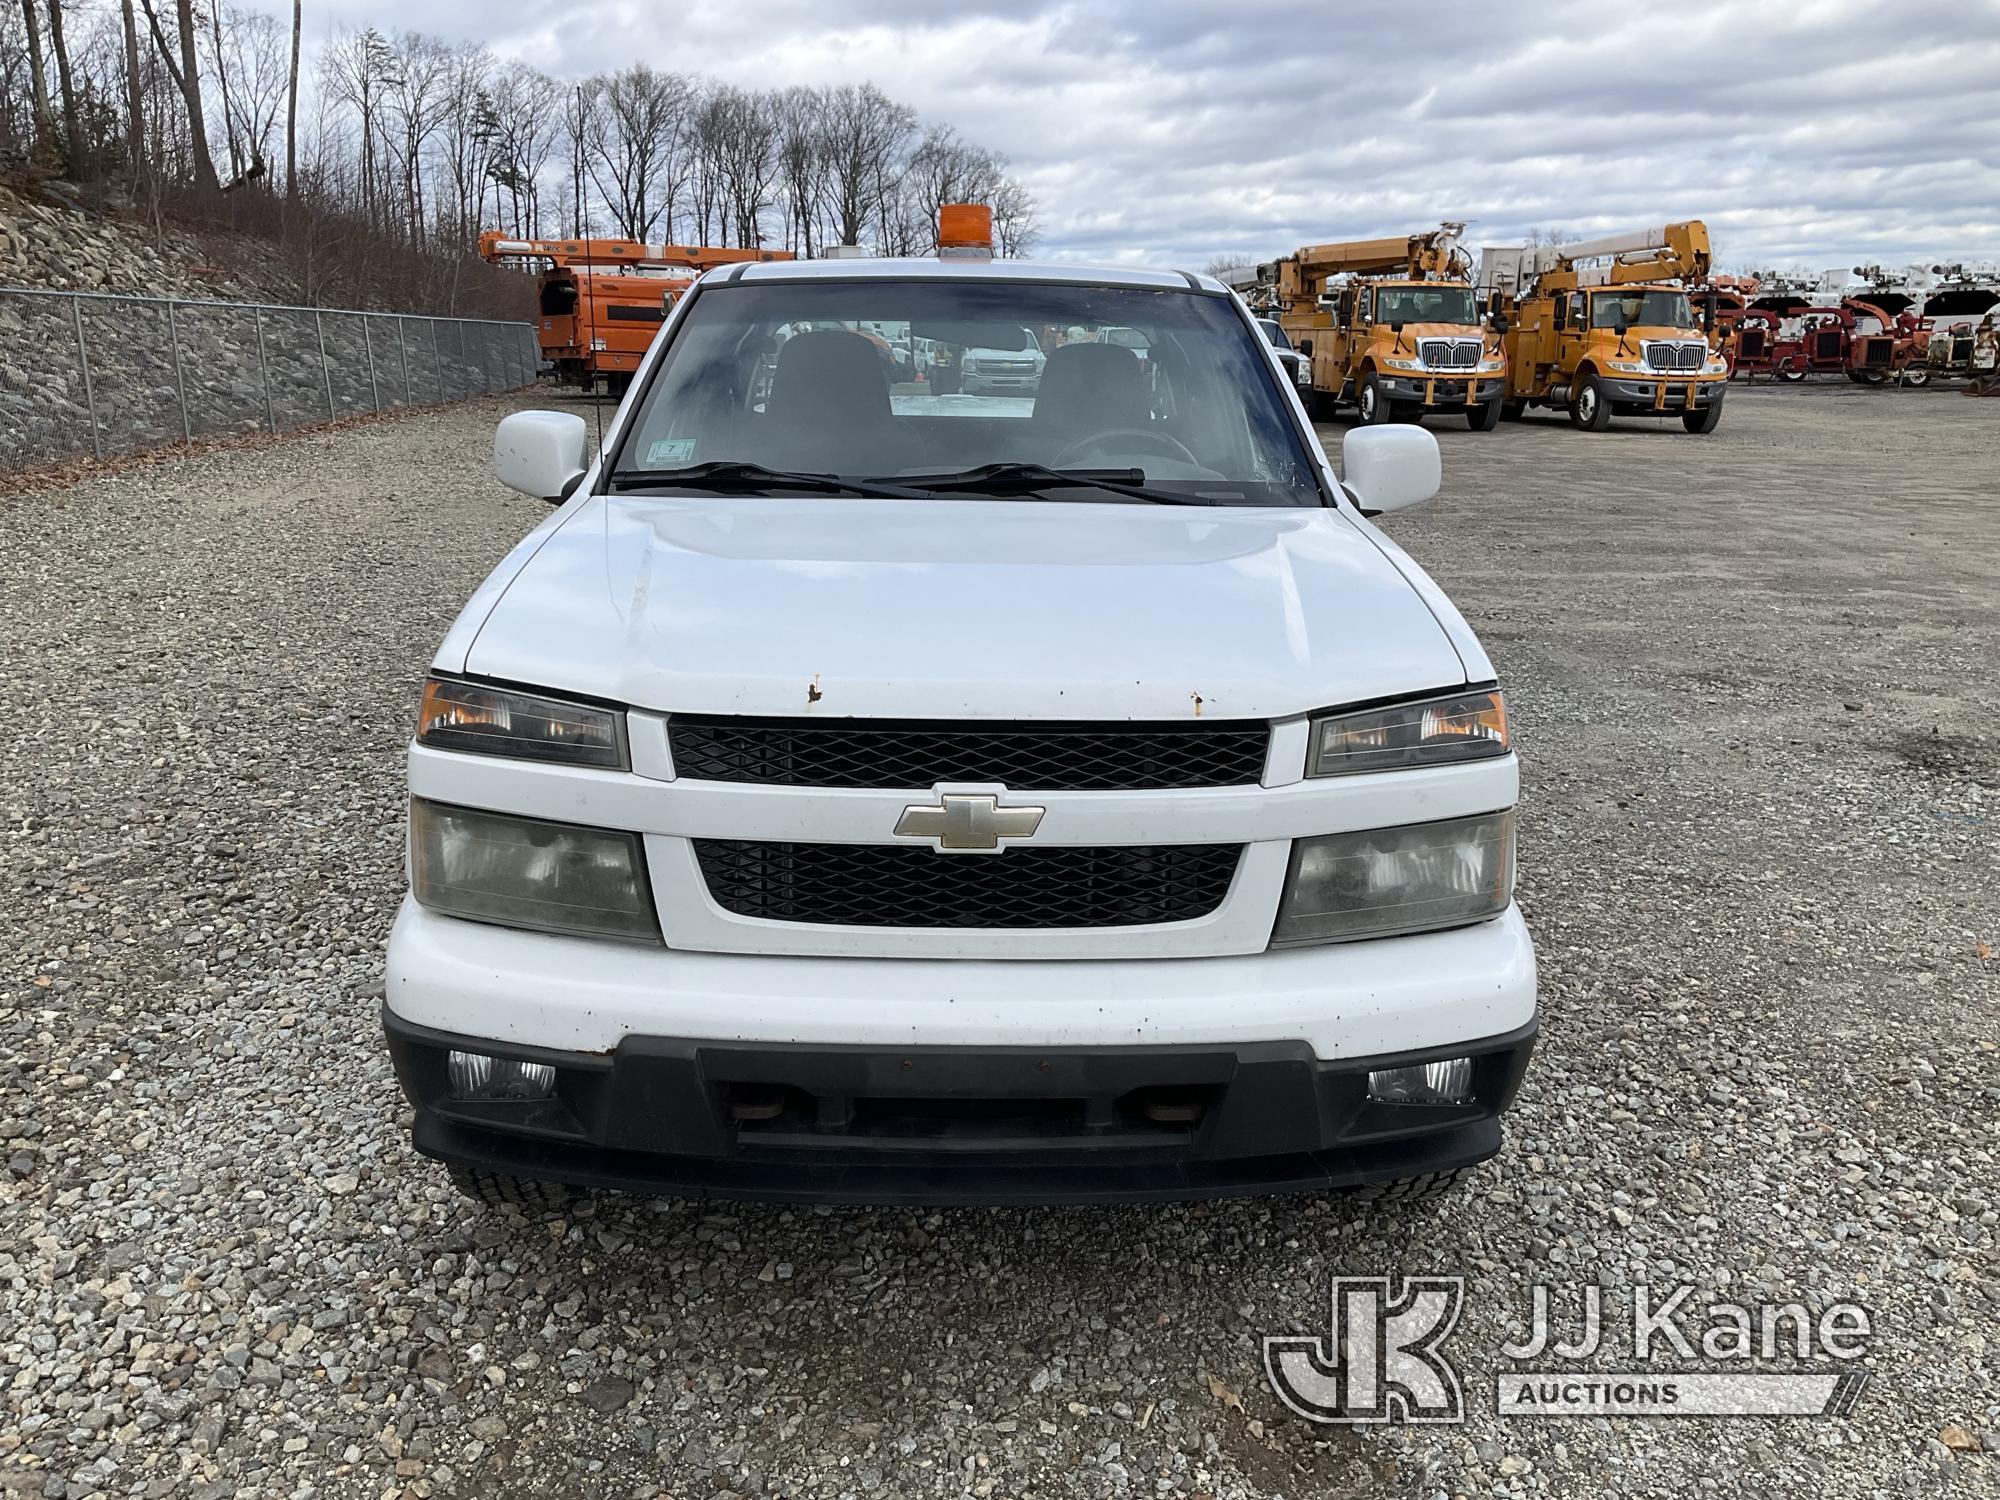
962 609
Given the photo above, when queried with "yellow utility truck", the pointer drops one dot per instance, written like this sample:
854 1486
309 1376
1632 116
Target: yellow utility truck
1390 326
1604 326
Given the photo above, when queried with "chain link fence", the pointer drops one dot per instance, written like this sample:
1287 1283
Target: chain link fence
99 373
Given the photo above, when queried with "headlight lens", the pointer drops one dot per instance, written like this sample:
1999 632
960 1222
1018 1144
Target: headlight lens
1389 881
1436 731
522 872
499 721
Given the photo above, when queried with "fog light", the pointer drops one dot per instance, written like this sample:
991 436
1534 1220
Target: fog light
474 1075
1445 1082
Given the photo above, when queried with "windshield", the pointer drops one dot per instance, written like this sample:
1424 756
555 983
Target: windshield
1274 334
1654 309
1425 304
887 379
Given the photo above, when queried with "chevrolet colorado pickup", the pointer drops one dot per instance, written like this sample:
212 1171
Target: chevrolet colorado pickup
854 793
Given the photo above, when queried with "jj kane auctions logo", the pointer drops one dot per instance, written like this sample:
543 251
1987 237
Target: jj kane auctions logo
1383 1358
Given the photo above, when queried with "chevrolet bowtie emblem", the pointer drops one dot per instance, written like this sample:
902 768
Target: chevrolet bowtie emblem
960 820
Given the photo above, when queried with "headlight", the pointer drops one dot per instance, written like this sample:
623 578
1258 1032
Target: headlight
969 364
1390 881
500 721
522 872
1402 364
1437 731
1625 365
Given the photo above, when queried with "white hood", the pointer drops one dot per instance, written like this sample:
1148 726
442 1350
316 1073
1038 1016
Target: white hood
961 610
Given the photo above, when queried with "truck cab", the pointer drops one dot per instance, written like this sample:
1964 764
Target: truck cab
853 793
1402 350
1633 349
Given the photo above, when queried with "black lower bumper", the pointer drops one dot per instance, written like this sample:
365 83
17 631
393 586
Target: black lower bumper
1445 393
948 1125
1664 398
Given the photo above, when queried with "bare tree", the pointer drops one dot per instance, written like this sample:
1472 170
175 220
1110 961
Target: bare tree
633 145
186 75
291 107
38 78
864 133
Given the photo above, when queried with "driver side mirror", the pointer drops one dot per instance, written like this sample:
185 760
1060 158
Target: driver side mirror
1390 468
1561 314
541 453
1623 326
1306 348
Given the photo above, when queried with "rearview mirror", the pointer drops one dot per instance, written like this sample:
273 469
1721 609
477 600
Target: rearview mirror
541 453
1390 468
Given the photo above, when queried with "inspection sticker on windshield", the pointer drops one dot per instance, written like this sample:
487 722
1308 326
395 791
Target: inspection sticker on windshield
670 451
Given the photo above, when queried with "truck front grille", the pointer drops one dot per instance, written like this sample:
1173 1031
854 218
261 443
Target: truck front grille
1676 356
889 885
1031 757
1449 354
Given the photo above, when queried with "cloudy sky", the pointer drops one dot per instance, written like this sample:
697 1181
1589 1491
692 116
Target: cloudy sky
1808 133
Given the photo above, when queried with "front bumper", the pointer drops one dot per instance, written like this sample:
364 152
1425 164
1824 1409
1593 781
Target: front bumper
1447 392
976 384
940 1125
1668 397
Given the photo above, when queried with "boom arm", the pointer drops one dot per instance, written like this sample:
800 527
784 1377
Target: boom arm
1434 253
496 247
1670 252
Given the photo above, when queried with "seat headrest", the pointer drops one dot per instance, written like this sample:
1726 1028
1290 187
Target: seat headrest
830 374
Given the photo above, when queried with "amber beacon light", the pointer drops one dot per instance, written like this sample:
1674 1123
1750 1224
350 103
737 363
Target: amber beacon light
965 231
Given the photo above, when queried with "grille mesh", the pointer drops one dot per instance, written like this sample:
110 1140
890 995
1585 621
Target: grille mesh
1031 757
1449 354
887 885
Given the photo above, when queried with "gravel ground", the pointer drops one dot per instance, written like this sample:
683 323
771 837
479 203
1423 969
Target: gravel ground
1751 676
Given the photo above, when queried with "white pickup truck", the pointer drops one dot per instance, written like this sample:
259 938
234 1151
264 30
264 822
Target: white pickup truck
850 794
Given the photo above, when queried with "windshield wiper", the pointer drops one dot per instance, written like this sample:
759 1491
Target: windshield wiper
1020 479
735 477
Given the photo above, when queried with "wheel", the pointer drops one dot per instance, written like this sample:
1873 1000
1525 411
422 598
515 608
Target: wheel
1587 407
495 1190
1483 418
1375 408
1866 377
1704 420
1917 375
1513 411
1789 372
1425 1189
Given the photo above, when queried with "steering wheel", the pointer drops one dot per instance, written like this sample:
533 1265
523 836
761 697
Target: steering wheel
1146 437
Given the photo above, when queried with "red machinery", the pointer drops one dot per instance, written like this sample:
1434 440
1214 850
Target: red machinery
1788 335
1885 340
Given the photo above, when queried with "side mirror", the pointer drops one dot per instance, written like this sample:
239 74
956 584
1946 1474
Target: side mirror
1496 305
541 453
1390 468
1395 325
1499 321
1623 326
1561 314
1306 348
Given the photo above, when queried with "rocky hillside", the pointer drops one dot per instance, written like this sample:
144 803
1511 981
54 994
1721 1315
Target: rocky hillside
47 246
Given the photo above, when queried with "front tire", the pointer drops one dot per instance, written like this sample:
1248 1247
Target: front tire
1789 372
1704 420
1588 408
1918 376
1483 418
1376 409
1428 1188
496 1190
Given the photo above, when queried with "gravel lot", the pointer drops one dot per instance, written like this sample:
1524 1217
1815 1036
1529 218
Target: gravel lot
1752 676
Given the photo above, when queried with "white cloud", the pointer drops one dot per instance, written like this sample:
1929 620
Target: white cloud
1823 132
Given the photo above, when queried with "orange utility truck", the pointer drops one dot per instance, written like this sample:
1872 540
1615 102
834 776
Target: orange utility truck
601 301
1604 326
1390 326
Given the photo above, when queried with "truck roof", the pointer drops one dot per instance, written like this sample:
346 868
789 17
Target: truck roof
971 270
